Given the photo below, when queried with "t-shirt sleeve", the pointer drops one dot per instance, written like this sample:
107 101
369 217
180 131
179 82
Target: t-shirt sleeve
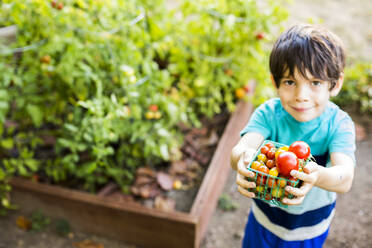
344 138
259 123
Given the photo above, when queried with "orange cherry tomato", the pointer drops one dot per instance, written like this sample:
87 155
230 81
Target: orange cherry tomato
271 182
263 168
282 182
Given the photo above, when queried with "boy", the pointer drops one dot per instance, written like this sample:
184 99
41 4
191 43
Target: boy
307 65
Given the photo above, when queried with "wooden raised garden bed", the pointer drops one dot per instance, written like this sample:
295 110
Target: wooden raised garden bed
132 222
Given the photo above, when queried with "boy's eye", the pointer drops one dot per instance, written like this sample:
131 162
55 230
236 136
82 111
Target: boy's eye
289 82
316 83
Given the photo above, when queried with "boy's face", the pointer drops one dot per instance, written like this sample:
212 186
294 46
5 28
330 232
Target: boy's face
305 99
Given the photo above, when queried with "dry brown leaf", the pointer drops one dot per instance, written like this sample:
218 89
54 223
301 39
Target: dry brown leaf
178 167
141 180
145 171
88 244
145 191
23 223
164 204
164 180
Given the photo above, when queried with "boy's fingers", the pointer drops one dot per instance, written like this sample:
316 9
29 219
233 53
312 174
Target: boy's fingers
310 167
309 178
244 183
245 192
294 201
248 154
299 192
244 171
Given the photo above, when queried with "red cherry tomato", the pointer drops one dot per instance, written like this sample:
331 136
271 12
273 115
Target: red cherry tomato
270 163
301 149
271 154
264 149
286 162
270 145
260 180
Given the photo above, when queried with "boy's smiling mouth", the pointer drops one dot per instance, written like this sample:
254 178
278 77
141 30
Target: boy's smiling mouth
301 109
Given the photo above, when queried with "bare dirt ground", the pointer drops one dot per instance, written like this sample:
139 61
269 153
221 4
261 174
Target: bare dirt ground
352 226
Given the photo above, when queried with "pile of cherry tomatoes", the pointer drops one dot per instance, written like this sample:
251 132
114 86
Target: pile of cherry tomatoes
273 165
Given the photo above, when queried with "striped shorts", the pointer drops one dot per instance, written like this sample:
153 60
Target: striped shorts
257 236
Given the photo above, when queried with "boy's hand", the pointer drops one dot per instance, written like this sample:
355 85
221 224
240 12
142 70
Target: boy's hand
309 177
243 172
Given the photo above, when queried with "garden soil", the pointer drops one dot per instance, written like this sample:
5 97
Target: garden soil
352 226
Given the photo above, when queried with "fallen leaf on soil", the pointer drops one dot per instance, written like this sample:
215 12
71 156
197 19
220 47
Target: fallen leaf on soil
23 223
145 171
145 191
88 244
164 180
141 180
178 167
164 204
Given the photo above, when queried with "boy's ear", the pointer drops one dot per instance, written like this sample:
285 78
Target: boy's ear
338 86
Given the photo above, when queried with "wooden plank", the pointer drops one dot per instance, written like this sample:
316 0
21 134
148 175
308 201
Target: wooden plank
217 173
129 222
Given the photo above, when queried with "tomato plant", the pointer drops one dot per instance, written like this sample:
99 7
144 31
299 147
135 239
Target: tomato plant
103 86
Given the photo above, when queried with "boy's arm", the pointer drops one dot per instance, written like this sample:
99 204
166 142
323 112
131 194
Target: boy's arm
248 143
337 178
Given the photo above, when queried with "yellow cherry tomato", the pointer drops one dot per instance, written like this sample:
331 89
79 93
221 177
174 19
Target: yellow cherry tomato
277 192
274 172
280 150
262 157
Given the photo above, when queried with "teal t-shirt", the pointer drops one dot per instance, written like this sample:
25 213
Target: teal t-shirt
332 131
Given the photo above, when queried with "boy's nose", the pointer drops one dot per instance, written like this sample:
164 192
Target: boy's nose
302 93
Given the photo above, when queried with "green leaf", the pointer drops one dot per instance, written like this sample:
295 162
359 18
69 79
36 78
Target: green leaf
7 143
35 113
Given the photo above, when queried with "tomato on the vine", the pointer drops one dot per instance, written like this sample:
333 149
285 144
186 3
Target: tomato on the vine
286 162
301 149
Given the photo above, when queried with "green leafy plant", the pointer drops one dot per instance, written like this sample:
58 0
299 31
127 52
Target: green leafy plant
39 221
90 90
225 203
357 88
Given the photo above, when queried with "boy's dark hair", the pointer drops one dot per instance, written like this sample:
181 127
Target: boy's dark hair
308 47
